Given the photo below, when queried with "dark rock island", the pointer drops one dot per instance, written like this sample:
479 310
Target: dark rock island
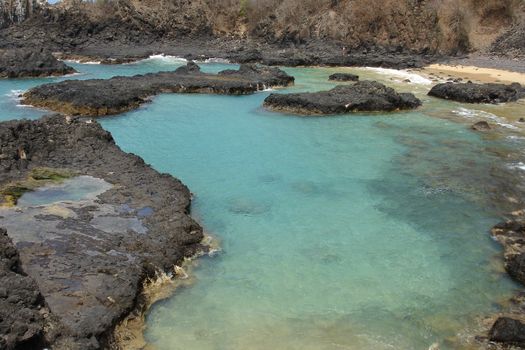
365 96
343 77
478 93
99 97
23 63
85 261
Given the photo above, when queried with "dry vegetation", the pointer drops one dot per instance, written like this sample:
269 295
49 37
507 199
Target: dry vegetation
423 25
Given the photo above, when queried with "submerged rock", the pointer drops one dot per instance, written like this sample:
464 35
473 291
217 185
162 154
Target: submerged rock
365 96
343 77
21 63
481 126
100 97
508 331
89 258
511 235
478 93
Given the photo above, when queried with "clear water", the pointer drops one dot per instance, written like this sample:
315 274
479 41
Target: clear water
348 232
70 190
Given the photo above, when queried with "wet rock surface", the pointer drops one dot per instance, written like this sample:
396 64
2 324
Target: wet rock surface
21 304
99 97
343 77
366 96
22 63
478 93
508 331
481 126
88 257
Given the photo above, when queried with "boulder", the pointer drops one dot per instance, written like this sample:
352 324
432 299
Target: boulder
478 93
481 126
366 96
343 77
508 331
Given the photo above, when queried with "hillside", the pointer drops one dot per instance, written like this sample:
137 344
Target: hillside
421 26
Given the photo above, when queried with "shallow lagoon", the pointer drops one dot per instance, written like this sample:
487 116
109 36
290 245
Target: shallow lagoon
353 232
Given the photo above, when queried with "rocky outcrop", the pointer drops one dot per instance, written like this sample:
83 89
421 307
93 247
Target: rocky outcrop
511 43
16 11
21 304
89 258
508 331
366 96
478 93
104 97
343 77
21 63
481 126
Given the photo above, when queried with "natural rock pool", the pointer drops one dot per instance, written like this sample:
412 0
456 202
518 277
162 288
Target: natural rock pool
367 231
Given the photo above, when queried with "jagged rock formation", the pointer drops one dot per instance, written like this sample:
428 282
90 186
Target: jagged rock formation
99 97
367 96
20 63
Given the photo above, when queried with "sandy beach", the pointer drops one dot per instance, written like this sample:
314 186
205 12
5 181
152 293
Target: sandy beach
479 74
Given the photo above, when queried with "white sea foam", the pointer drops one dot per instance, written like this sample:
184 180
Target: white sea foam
82 62
402 74
519 165
166 59
473 113
217 60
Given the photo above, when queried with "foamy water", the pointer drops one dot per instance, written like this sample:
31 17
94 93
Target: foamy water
402 75
473 113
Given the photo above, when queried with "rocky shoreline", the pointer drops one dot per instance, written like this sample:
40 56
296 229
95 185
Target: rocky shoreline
84 261
23 63
100 97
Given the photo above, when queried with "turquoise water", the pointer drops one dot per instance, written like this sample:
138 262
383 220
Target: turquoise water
348 232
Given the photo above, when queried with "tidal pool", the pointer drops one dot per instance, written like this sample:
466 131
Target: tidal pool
367 231
75 189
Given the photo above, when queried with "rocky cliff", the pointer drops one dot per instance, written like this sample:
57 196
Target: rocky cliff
421 26
16 11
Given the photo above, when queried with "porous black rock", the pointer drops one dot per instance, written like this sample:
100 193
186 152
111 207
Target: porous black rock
343 77
366 96
88 259
508 331
21 304
100 97
21 63
478 93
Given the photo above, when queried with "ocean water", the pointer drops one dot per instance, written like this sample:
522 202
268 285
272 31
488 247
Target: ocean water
368 231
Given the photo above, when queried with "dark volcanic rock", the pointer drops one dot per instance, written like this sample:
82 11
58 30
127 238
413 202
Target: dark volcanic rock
478 93
508 331
365 96
89 258
20 63
21 305
481 126
511 235
343 77
100 97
